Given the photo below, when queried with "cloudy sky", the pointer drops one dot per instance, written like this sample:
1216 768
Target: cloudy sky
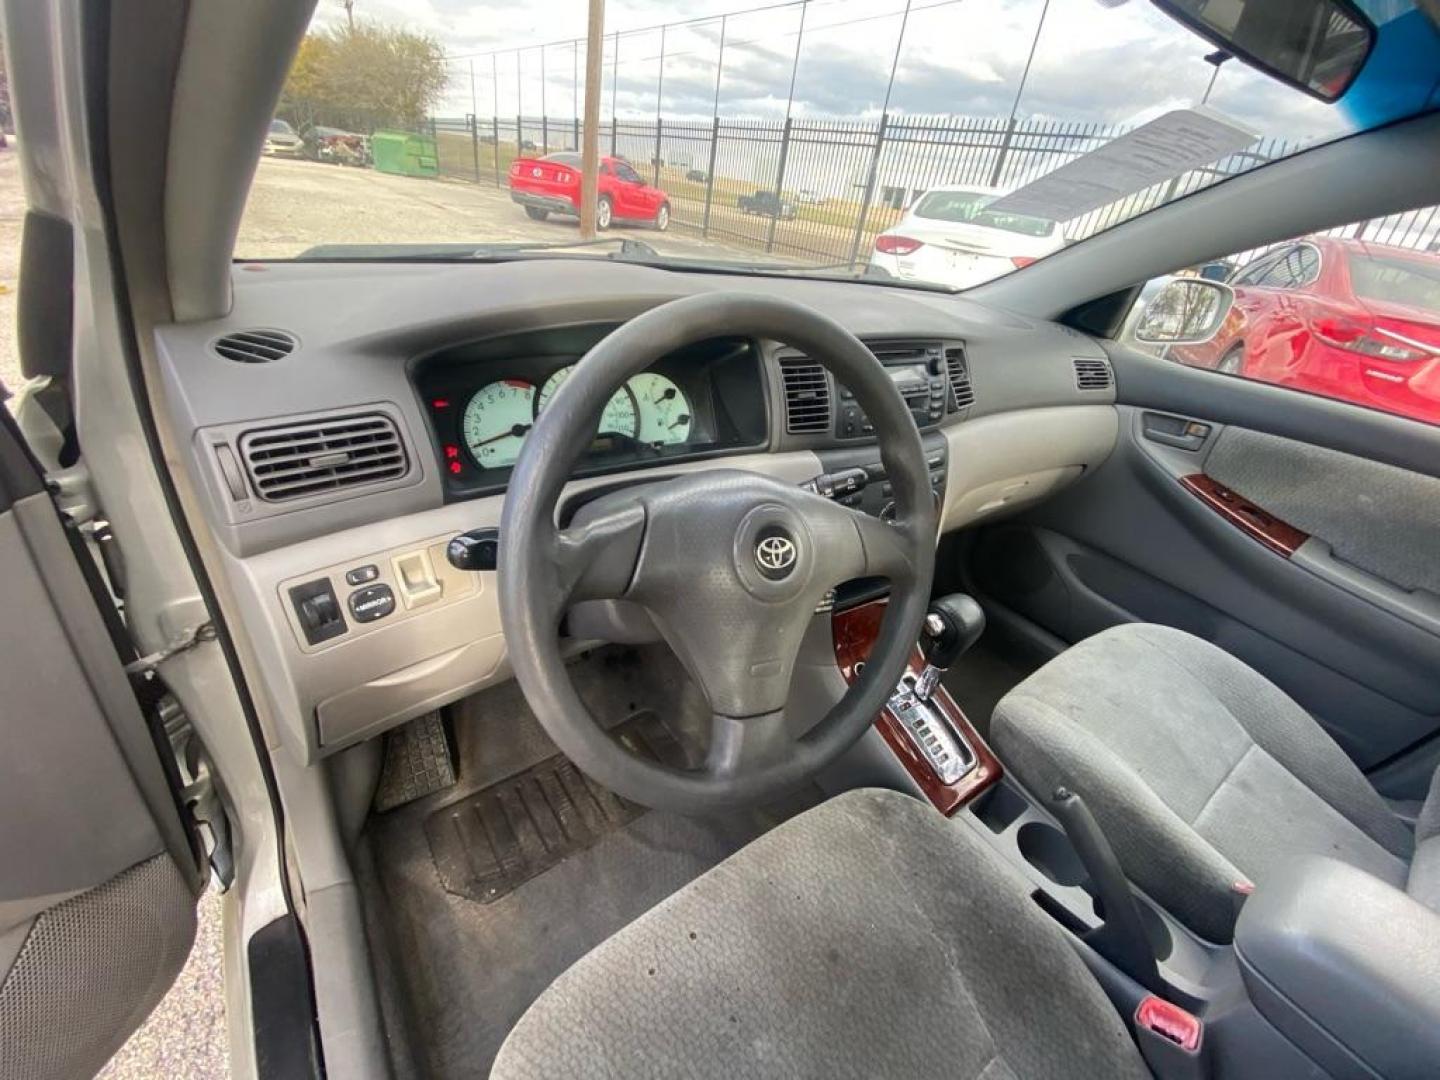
1093 62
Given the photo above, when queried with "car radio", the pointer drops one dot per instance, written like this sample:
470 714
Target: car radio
920 382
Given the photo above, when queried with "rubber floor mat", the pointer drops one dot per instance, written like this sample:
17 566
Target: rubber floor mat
490 843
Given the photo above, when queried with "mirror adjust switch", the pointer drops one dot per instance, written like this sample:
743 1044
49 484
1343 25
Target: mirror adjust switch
371 603
318 610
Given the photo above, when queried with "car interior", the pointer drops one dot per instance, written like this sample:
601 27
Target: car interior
934 684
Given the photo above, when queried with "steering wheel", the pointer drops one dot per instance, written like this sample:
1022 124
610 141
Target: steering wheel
729 565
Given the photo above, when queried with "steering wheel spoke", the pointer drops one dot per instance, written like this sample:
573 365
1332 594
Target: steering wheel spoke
738 743
596 560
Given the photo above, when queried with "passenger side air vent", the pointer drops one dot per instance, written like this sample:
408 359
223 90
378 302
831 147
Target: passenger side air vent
807 396
1092 374
957 371
255 346
292 461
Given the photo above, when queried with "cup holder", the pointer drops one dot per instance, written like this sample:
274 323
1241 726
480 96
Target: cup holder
1048 850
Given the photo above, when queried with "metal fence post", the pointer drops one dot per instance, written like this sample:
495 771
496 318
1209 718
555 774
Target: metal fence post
710 177
495 146
1004 152
519 135
475 147
658 127
577 134
870 177
779 186
544 134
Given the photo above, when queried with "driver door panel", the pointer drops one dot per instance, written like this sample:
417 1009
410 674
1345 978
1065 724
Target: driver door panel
98 887
1148 538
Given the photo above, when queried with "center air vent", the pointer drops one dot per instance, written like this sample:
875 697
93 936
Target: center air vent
957 371
255 346
807 396
1092 374
293 461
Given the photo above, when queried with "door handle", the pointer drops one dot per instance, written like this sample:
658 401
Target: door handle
1178 431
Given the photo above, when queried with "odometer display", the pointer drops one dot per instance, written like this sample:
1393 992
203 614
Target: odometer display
497 419
619 417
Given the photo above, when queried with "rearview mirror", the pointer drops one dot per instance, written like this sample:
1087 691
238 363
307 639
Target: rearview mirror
1187 311
1317 46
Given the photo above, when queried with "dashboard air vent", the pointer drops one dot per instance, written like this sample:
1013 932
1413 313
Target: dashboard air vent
1092 374
255 346
957 371
293 461
807 396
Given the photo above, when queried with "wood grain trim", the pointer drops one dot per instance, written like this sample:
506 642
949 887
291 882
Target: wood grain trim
1259 524
855 631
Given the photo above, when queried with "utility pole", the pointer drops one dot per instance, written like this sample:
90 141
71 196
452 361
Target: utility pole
350 13
614 91
659 98
590 137
895 63
474 106
1030 59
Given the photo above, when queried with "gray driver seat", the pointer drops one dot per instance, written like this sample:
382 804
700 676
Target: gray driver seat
868 937
1202 772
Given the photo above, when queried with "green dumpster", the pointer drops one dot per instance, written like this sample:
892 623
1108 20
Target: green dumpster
404 153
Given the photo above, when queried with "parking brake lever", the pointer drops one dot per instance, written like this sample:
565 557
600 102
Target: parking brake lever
1121 938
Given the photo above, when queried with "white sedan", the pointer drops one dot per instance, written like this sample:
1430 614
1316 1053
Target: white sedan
950 237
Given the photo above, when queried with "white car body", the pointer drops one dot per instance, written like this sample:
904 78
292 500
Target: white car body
281 140
951 250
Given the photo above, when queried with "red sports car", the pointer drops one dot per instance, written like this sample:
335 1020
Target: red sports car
1345 318
551 185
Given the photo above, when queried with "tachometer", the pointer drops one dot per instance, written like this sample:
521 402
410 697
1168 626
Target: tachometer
618 418
497 419
665 414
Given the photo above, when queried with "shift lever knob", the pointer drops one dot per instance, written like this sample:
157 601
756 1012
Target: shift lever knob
953 624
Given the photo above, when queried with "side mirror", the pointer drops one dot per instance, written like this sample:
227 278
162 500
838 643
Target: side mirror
1187 311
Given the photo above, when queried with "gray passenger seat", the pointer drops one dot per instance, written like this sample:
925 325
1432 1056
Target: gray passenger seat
1203 773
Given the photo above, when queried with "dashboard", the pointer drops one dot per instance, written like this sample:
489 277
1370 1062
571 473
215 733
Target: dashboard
482 399
345 421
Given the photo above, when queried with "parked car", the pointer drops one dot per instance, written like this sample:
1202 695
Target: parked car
335 146
949 237
281 140
551 185
767 204
699 176
1345 318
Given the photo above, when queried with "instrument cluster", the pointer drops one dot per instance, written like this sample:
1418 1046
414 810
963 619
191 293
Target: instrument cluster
649 410
483 399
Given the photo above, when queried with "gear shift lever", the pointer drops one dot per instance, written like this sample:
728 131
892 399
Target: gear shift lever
953 624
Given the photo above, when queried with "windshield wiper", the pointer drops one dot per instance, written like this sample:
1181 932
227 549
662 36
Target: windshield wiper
626 248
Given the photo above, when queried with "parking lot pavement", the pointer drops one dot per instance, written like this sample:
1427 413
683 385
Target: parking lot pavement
12 214
295 205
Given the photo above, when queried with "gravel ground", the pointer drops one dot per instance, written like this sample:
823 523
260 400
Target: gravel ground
297 204
12 213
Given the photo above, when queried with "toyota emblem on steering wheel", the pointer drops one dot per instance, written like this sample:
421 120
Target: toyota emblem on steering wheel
775 555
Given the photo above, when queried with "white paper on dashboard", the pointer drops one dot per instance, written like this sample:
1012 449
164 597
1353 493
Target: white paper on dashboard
1166 147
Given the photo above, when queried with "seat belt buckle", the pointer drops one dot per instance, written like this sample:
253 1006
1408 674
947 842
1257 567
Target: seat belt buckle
1172 1041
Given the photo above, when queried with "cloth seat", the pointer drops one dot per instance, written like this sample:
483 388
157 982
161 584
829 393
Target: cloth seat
1201 772
868 937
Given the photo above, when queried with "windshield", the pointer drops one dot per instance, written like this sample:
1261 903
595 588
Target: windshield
1397 280
969 207
811 137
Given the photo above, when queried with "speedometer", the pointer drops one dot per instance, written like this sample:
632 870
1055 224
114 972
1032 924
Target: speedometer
619 416
497 419
665 415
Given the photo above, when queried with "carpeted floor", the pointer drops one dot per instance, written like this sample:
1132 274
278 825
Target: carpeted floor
985 674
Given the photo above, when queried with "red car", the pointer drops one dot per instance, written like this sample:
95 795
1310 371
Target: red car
1347 319
551 185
